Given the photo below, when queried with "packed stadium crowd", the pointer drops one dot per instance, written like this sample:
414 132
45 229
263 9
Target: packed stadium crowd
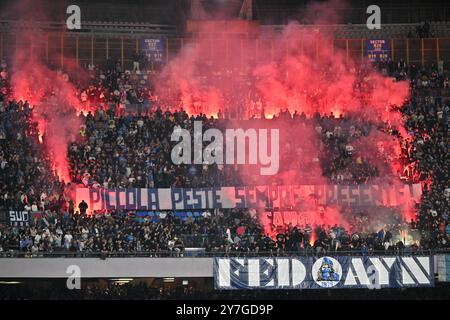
116 148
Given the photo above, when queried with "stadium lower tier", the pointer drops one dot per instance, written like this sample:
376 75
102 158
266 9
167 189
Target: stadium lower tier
283 277
159 288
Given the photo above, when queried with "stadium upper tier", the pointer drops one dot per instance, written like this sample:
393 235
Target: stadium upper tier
90 27
340 31
387 31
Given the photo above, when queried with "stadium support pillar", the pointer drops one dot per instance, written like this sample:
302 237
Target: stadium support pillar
167 50
317 50
362 50
392 50
226 53
121 52
107 47
1 46
256 50
92 50
438 54
286 51
271 50
242 53
422 51
302 51
137 45
77 55
407 52
210 49
62 50
46 48
346 50
31 47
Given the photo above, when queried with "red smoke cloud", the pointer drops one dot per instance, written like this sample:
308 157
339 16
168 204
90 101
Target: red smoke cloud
48 90
306 74
300 70
54 101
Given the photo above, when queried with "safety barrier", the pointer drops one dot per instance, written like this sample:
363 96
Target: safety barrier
62 48
200 252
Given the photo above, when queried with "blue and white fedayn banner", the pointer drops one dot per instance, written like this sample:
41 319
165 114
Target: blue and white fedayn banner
324 272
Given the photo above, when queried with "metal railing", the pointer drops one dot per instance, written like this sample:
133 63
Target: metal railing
96 27
57 47
200 252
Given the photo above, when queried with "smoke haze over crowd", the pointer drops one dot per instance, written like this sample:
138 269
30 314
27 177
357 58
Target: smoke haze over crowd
298 69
